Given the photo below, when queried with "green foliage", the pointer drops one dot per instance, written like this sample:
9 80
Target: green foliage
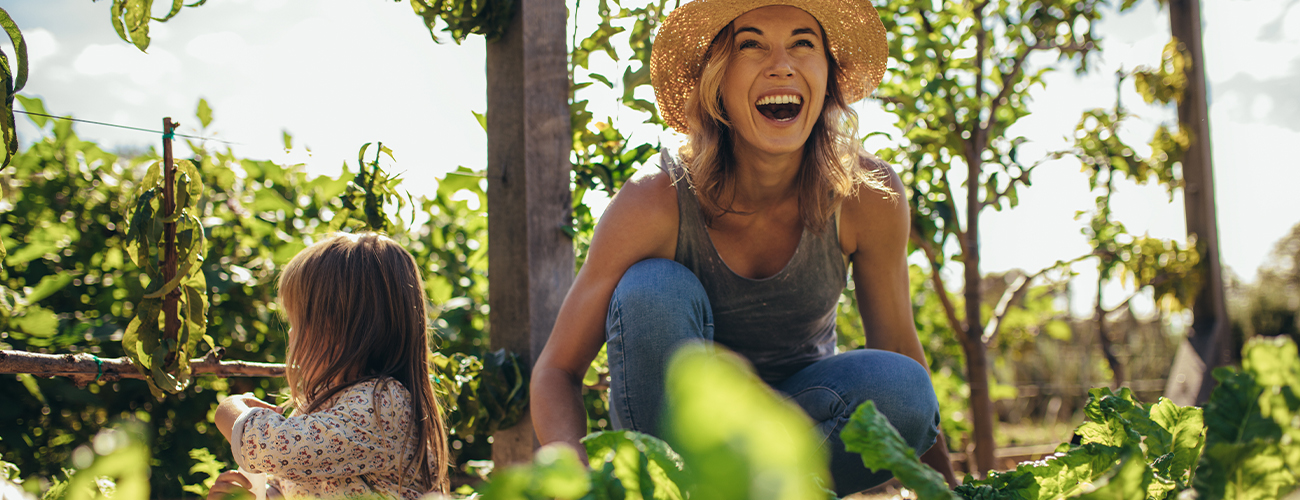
869 434
1167 82
115 465
71 286
204 463
11 82
466 17
642 465
480 394
163 356
738 440
1252 445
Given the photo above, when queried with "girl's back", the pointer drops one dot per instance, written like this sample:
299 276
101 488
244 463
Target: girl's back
366 421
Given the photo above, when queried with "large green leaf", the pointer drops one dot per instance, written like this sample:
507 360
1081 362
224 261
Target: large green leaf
1250 442
1186 428
738 439
870 434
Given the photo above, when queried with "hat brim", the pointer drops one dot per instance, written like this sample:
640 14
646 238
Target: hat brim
854 33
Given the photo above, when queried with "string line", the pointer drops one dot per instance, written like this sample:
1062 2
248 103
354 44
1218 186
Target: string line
173 133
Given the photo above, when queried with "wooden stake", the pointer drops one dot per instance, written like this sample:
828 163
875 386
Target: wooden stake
530 258
171 325
1209 338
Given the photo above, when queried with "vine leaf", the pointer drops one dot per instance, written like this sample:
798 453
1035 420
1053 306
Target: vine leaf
11 82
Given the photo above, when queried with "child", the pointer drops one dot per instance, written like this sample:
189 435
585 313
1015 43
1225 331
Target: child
366 421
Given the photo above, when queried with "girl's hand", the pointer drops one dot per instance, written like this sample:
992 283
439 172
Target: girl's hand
230 483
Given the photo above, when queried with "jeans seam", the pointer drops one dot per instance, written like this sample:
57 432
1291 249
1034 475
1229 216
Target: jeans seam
841 417
626 409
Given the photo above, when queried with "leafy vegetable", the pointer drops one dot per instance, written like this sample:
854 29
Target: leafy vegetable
1252 445
870 434
738 440
641 463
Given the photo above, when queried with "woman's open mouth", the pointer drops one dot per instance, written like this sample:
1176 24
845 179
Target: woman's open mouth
781 108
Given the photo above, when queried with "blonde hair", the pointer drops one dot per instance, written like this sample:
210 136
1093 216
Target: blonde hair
834 163
356 304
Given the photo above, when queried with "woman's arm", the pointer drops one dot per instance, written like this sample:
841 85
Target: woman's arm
640 223
873 230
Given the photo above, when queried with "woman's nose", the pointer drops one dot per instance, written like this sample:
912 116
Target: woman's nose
780 66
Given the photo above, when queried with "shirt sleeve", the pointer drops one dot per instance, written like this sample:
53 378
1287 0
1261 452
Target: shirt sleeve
362 432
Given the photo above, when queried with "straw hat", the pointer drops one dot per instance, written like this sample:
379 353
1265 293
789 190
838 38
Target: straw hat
853 31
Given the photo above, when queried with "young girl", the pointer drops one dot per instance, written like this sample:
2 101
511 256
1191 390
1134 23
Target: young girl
366 421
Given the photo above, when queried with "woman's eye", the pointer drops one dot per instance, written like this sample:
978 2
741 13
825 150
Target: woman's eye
749 44
804 43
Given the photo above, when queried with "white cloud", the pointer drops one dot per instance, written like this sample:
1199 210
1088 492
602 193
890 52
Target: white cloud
221 48
41 44
158 66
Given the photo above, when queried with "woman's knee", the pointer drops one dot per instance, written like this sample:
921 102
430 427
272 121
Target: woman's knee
908 400
660 288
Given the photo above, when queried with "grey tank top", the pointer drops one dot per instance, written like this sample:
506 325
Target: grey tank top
781 323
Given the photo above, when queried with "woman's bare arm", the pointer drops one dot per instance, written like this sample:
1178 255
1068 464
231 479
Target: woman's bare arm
640 223
874 231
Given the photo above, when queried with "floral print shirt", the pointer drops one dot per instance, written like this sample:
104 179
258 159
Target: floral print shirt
358 444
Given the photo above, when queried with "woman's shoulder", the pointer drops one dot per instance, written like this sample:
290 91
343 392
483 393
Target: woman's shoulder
876 207
651 194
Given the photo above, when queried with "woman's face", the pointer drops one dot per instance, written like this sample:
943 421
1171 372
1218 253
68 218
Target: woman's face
775 83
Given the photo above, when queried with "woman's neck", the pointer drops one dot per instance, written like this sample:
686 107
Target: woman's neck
763 180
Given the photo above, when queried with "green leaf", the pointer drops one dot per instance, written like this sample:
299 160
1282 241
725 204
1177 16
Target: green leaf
1129 481
20 52
37 322
47 286
204 111
481 118
555 472
639 461
870 434
1251 445
1186 429
34 105
740 440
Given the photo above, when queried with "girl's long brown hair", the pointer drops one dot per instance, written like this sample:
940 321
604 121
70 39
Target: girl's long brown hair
834 163
356 304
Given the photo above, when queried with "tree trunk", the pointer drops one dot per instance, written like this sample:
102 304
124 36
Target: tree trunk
1107 348
977 372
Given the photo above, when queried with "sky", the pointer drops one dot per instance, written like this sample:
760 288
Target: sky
340 73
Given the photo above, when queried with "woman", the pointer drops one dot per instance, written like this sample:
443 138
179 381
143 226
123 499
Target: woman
746 238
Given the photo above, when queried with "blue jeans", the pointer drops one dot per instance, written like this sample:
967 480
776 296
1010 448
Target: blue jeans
659 304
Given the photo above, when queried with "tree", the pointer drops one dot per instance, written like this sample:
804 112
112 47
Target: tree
962 81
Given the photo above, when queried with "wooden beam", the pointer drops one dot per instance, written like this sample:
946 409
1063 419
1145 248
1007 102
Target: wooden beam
530 258
1207 344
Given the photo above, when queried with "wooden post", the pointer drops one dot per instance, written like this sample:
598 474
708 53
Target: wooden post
530 258
1208 340
171 323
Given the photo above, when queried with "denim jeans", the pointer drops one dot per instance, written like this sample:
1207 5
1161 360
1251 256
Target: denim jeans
659 304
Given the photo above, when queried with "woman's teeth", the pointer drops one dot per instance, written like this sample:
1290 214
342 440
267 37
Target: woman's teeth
780 99
781 108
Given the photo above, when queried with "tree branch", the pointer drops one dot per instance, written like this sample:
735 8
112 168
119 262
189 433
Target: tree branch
83 369
949 311
1014 293
1007 84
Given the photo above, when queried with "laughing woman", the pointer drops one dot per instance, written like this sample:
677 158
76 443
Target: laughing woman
746 237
